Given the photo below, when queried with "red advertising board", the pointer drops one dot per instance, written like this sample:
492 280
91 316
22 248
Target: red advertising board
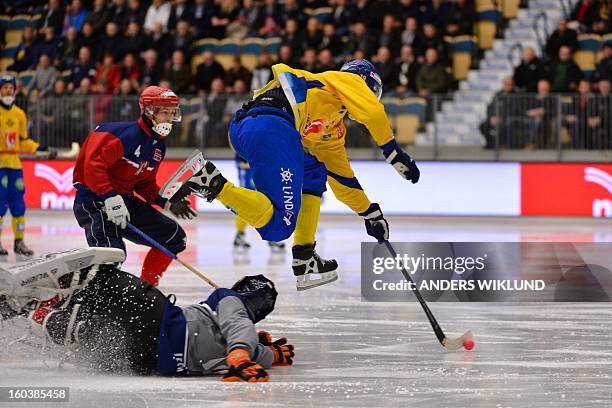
49 183
566 189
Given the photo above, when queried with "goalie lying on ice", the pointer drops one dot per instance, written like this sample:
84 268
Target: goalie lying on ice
112 320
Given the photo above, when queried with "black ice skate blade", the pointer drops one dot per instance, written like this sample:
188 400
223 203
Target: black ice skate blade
316 283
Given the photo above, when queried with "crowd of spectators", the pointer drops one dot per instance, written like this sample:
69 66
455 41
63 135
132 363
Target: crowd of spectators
550 95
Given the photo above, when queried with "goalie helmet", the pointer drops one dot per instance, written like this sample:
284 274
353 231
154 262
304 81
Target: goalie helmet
155 100
8 99
368 72
259 295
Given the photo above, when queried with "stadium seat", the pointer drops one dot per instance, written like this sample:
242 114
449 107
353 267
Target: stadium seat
510 8
10 51
35 20
462 49
26 76
410 117
205 44
322 14
19 22
13 36
250 50
273 44
4 22
607 39
484 5
486 28
586 55
5 63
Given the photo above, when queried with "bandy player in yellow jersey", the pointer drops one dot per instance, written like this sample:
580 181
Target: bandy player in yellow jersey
13 140
300 110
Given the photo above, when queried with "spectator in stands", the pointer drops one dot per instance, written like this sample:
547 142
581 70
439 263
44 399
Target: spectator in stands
237 97
48 45
161 41
343 15
85 67
541 117
134 40
75 16
207 71
408 9
117 13
370 12
605 107
586 12
387 68
309 60
111 42
130 70
262 73
432 77
585 120
84 88
271 19
124 107
435 13
292 37
431 39
604 68
325 61
564 74
529 72
53 17
68 49
291 10
151 73
312 36
286 55
460 18
200 18
135 12
182 40
108 76
406 72
24 57
237 72
562 36
214 105
360 39
56 112
330 40
497 128
99 16
178 11
158 13
249 19
224 13
411 35
179 74
43 79
390 36
87 38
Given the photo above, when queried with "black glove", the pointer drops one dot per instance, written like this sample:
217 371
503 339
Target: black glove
52 154
401 161
375 223
181 209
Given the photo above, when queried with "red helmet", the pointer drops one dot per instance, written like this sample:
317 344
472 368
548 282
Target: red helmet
157 97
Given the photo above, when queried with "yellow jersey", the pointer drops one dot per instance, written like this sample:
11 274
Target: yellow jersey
14 137
320 102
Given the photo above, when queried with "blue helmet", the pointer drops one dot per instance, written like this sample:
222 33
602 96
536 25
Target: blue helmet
367 71
8 79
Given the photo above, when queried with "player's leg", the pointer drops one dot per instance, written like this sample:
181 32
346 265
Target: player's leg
309 268
16 203
245 178
162 229
99 231
4 179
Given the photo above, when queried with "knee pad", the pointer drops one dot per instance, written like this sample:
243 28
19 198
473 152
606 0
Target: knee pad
178 243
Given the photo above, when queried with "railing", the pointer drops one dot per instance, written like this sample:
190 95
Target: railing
521 123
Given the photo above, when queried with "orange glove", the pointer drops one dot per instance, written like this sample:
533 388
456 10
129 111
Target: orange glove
243 369
283 352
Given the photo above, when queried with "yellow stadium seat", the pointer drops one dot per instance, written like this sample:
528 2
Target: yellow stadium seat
4 63
484 4
585 59
13 36
406 126
225 60
510 8
249 61
485 32
461 65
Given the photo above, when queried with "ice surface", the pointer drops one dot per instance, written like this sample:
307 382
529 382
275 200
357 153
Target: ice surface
352 353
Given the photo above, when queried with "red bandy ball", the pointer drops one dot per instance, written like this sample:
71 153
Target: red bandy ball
468 344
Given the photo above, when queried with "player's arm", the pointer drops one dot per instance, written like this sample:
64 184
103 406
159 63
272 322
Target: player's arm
97 166
149 190
26 145
365 108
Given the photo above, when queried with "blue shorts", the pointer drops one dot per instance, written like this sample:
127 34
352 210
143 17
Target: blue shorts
12 190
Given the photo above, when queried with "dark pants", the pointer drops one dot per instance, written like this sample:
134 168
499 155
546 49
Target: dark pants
117 323
100 232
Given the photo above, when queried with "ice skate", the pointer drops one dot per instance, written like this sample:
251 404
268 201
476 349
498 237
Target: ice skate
310 269
276 247
22 250
206 183
240 242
